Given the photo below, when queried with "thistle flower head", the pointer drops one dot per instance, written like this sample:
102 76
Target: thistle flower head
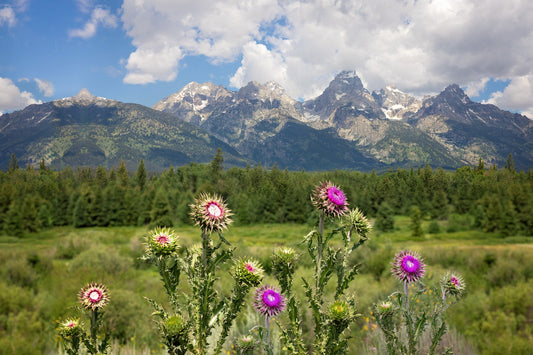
246 343
210 213
329 199
71 327
248 272
94 296
269 301
340 311
162 242
385 308
408 266
357 220
453 284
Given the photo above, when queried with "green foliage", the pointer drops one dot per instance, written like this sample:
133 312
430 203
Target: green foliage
500 201
384 218
487 212
416 222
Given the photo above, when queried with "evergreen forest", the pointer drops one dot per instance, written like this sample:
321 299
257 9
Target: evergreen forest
492 200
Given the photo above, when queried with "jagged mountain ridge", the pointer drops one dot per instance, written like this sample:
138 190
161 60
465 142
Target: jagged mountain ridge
85 130
388 125
346 127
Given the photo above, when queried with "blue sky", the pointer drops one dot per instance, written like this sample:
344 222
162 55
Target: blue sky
142 51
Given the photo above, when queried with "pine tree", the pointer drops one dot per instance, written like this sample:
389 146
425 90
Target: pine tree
480 166
42 167
14 222
44 215
101 177
13 163
29 214
509 163
161 214
416 222
384 218
216 166
140 175
123 177
80 214
439 205
493 213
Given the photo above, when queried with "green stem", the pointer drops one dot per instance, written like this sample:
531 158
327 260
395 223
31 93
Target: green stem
267 326
94 319
406 290
204 306
347 248
320 250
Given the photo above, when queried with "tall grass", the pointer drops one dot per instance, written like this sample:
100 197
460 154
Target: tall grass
41 273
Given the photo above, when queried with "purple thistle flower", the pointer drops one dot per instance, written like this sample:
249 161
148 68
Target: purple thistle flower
269 301
329 199
408 266
94 296
210 213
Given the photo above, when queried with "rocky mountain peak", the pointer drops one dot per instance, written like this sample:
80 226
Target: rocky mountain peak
194 96
269 91
84 94
84 98
346 90
453 94
395 103
348 82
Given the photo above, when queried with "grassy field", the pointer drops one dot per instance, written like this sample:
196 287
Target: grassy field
43 272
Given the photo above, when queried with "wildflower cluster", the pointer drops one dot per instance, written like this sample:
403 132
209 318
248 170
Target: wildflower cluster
200 320
395 315
93 297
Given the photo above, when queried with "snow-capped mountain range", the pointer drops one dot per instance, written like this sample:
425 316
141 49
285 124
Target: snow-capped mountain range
346 127
389 125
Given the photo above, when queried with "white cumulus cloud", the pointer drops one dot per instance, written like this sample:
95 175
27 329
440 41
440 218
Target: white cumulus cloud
420 46
99 16
46 87
516 96
11 98
172 30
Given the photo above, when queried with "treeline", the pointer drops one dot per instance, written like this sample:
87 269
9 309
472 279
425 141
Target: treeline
495 200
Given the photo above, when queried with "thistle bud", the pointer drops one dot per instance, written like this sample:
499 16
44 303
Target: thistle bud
385 309
248 272
452 284
161 242
340 311
71 328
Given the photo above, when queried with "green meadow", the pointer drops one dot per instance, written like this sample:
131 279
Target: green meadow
42 273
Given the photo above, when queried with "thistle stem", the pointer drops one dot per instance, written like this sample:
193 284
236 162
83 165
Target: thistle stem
267 326
203 301
94 318
406 290
320 250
